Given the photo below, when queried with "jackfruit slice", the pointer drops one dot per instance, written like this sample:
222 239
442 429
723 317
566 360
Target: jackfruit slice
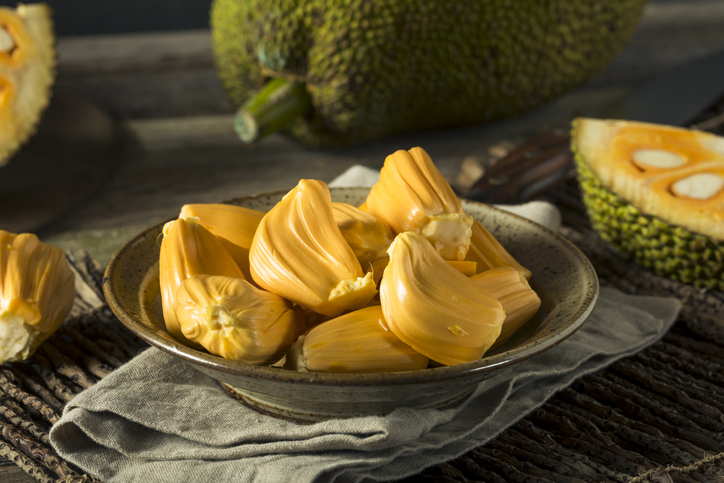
37 290
656 193
368 236
433 307
412 195
488 253
514 293
188 249
233 319
355 342
233 225
299 253
27 72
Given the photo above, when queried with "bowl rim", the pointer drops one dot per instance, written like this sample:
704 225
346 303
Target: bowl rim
431 374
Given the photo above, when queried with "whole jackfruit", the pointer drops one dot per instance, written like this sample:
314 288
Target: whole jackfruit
656 193
27 72
345 72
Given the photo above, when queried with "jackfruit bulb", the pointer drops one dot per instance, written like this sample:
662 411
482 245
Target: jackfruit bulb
412 195
510 287
37 290
299 253
656 193
433 307
369 237
233 225
27 72
355 342
348 72
188 249
487 252
233 319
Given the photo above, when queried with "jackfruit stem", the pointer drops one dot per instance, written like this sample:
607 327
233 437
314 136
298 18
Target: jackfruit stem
271 109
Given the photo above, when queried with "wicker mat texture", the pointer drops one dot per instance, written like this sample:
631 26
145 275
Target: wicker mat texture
657 416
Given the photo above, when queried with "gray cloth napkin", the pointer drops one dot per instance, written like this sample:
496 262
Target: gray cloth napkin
157 420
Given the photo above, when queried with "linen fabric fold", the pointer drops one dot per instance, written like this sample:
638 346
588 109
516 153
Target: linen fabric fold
157 420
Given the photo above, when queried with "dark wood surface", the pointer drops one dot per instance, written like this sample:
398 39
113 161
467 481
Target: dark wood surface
178 146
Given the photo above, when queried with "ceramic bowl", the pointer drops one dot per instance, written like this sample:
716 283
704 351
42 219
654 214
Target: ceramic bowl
562 276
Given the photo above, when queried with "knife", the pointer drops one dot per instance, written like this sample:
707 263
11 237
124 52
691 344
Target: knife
675 97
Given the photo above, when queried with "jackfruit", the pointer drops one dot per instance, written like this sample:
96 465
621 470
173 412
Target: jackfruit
466 267
656 193
433 307
375 68
488 253
514 293
37 290
233 319
412 195
368 236
27 72
188 249
233 225
355 342
298 252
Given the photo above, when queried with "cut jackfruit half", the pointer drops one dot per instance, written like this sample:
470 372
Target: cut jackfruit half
27 71
657 194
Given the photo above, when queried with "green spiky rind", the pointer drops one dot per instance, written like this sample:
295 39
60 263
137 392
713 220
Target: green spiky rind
376 68
668 250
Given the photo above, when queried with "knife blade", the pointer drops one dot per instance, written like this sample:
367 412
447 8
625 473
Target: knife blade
674 97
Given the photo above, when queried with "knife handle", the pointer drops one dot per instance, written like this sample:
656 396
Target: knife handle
530 170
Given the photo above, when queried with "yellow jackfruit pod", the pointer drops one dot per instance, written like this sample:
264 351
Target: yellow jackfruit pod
514 293
37 290
369 237
412 195
233 319
299 253
188 249
233 225
27 72
488 253
466 267
355 342
433 307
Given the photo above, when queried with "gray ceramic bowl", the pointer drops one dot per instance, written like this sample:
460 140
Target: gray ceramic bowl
562 276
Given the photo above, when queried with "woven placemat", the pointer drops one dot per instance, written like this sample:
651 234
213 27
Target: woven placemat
89 346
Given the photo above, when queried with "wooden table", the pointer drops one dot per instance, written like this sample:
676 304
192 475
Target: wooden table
178 146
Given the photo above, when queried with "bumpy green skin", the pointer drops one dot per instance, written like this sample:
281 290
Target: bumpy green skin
670 251
376 68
